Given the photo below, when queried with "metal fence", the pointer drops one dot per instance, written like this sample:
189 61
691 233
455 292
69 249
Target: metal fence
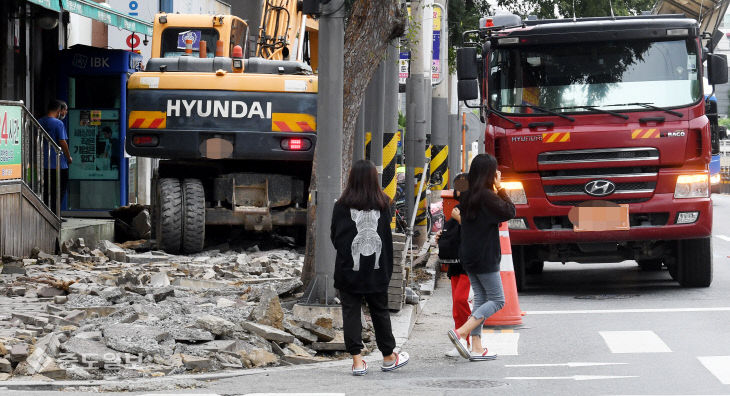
34 141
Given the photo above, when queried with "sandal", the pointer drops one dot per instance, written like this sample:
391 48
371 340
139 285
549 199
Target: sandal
401 359
460 344
362 371
476 357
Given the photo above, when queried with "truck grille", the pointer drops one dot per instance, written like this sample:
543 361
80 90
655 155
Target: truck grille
598 155
635 220
565 185
621 188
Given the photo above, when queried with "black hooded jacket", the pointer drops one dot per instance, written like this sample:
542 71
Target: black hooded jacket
480 251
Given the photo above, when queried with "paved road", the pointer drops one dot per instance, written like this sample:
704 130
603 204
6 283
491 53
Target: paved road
589 329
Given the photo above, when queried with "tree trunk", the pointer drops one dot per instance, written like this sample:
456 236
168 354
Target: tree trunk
370 26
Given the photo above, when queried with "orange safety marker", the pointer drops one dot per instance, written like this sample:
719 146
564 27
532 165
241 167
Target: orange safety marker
510 314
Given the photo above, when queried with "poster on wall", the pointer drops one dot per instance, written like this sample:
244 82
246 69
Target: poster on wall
94 144
10 142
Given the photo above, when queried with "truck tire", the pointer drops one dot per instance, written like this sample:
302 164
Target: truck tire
695 262
193 216
518 261
169 215
650 265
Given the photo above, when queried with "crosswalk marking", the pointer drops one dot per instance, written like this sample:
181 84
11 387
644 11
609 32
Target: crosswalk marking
503 344
719 366
723 237
629 310
634 342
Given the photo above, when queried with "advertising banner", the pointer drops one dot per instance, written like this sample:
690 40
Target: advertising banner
94 144
436 59
128 40
10 142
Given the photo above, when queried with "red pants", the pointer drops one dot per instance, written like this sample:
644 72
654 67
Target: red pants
460 299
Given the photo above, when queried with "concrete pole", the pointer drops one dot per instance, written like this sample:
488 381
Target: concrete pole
454 131
328 153
440 105
358 148
144 180
370 113
415 113
390 123
376 144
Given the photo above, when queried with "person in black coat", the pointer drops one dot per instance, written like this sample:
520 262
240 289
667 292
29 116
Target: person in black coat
361 235
483 207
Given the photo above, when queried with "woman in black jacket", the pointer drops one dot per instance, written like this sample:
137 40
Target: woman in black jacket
484 206
363 240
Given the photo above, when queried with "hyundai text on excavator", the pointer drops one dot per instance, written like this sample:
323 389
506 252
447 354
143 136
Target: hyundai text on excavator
235 134
600 132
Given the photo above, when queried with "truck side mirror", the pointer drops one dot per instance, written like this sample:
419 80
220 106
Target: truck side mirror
716 69
468 89
466 63
467 71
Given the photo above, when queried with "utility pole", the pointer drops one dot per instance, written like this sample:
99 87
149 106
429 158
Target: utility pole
376 144
328 152
418 88
358 148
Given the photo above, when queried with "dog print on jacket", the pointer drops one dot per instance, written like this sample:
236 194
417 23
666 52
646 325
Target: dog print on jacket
367 241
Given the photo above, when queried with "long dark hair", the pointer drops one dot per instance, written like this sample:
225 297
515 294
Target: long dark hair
363 190
482 172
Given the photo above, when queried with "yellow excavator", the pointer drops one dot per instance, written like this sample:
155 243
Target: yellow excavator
232 121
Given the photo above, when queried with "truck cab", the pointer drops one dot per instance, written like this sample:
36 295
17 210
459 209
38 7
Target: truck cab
600 130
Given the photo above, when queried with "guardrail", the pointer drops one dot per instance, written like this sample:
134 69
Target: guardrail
23 142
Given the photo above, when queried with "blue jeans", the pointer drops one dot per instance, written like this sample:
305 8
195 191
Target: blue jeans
488 297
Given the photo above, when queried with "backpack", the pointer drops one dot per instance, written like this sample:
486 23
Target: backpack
450 240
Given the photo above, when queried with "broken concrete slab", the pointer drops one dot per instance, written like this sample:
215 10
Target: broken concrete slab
215 324
159 294
18 352
198 284
218 345
196 363
159 279
268 311
268 332
91 353
5 366
303 335
323 334
13 267
190 334
134 338
49 292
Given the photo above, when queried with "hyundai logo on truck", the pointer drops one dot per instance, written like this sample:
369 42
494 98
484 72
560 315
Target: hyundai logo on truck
218 108
600 188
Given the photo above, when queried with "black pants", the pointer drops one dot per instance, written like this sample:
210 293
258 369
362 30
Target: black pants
51 190
378 305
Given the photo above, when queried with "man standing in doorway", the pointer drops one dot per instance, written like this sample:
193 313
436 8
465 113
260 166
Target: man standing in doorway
53 125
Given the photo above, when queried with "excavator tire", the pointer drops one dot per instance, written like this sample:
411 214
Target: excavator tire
193 219
169 216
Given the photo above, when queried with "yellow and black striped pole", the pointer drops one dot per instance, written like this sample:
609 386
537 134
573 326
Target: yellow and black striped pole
368 139
390 148
439 167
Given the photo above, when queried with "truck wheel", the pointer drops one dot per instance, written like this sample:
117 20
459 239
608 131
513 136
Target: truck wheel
518 261
650 265
169 215
193 218
695 262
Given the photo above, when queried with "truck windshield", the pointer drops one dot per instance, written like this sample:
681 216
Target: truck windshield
594 75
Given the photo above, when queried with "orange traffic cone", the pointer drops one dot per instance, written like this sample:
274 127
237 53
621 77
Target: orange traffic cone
510 314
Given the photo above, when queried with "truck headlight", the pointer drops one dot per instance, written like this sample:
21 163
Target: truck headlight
517 224
692 186
516 192
715 179
687 217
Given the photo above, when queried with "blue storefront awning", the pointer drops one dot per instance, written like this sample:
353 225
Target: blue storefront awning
106 15
50 4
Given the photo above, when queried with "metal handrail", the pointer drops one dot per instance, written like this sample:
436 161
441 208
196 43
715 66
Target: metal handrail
35 139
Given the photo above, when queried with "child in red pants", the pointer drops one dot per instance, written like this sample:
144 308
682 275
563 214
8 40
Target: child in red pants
448 241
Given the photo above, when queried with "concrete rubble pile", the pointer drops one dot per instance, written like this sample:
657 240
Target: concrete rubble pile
112 313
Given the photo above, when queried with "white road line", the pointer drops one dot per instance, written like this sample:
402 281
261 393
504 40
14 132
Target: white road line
719 366
503 344
723 237
634 342
638 310
575 377
571 364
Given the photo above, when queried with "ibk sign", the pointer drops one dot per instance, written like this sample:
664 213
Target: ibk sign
144 10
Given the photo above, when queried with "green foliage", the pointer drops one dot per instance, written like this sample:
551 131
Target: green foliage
548 9
463 15
724 122
401 121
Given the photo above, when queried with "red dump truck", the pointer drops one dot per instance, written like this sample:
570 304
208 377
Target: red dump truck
600 131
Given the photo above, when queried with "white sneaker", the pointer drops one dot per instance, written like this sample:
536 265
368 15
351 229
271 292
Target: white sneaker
453 353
